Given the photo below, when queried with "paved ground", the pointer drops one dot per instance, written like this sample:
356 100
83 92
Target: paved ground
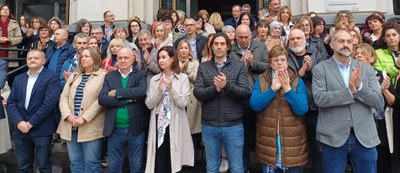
61 163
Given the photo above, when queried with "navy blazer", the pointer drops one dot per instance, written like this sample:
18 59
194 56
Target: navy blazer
66 51
3 76
135 91
44 101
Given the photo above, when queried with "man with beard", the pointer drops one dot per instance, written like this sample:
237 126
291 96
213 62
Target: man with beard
80 42
346 91
147 55
302 61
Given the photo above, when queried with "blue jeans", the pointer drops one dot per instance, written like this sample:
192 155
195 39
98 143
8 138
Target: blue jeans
85 157
119 138
233 140
288 170
29 148
363 159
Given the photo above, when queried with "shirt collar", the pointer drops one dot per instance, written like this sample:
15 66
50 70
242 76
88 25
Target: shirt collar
340 64
36 75
124 76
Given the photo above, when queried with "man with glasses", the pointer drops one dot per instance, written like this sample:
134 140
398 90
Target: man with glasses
196 41
233 21
97 32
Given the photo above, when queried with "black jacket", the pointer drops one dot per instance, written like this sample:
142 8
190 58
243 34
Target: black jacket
222 108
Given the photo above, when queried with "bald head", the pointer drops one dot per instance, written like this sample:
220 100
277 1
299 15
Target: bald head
243 28
243 36
60 36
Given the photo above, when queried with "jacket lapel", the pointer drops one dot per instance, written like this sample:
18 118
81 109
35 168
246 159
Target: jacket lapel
336 72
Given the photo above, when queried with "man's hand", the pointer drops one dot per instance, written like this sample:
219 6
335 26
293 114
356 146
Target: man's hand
146 56
220 81
355 79
66 74
22 126
112 93
308 62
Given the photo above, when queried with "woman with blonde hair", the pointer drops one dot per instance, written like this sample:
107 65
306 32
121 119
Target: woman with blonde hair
82 118
216 21
110 63
160 36
208 28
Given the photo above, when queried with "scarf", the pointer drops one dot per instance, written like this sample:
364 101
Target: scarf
4 33
164 115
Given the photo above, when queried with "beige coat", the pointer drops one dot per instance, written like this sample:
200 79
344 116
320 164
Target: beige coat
14 33
91 111
194 106
180 139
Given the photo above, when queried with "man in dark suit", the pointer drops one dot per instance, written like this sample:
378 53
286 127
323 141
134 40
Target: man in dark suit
30 106
123 94
346 91
233 21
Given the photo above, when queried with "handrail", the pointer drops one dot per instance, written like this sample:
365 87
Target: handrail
15 70
14 49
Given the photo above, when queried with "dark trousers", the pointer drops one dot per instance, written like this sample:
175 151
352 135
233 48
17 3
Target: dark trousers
315 146
163 155
30 148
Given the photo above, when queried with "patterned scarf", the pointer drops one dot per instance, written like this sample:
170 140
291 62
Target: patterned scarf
164 115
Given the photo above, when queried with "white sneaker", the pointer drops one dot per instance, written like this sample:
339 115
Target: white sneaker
224 166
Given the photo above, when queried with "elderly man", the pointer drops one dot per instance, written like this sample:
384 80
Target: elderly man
221 85
60 52
30 106
123 94
302 61
196 41
108 26
233 21
254 55
147 55
346 91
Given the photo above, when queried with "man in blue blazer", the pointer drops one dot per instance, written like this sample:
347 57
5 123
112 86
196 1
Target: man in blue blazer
346 91
123 94
31 104
3 76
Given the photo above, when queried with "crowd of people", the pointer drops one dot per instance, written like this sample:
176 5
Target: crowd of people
291 89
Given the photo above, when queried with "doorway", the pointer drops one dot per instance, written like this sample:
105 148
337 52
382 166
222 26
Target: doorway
224 7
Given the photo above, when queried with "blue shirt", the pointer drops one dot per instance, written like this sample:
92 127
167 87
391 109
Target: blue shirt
345 72
297 100
54 60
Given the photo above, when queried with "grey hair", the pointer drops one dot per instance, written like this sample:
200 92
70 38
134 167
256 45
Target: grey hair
228 27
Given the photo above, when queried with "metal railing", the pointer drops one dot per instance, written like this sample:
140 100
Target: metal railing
14 59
